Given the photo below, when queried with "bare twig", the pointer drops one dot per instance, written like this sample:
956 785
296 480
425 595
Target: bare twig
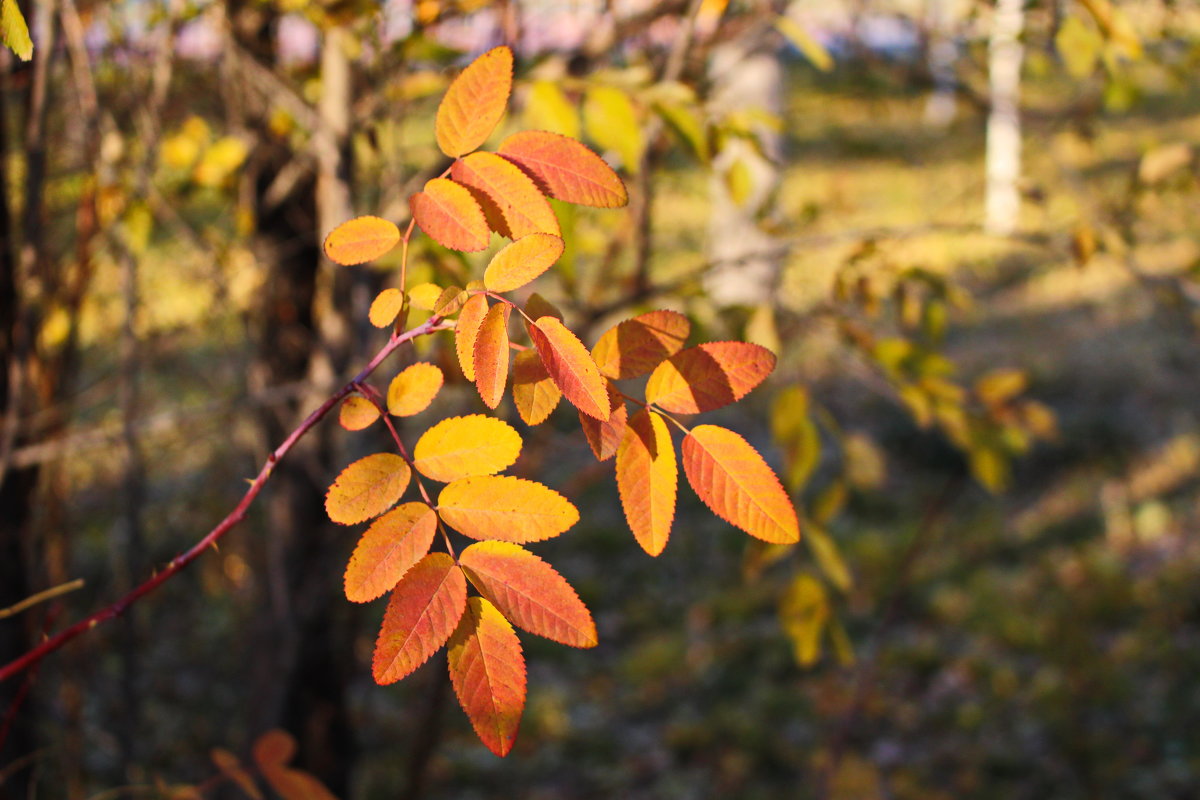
41 597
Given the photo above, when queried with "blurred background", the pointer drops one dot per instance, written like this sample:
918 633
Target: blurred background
967 228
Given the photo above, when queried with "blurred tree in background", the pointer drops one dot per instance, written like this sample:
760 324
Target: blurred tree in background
987 422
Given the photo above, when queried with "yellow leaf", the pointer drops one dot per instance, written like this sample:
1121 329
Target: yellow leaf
491 355
461 447
804 612
357 412
360 240
533 391
413 389
612 123
386 307
505 508
474 103
367 488
522 261
466 331
548 109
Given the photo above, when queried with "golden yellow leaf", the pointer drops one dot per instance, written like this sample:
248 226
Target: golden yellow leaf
413 389
460 447
505 508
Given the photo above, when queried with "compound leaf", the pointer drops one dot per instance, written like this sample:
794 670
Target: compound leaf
648 479
392 544
522 261
465 331
505 508
362 239
529 592
413 389
462 447
367 488
570 366
491 355
634 347
423 611
565 169
487 669
735 482
708 376
474 103
534 393
450 216
512 203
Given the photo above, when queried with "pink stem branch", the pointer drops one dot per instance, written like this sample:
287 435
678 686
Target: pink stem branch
237 515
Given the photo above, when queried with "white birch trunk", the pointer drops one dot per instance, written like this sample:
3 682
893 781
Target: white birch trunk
1004 122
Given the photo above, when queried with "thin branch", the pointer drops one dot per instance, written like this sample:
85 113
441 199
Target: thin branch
41 597
236 516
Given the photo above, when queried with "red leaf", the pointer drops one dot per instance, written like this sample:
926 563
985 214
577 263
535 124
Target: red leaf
648 479
565 168
424 610
474 103
529 592
708 376
450 216
491 355
392 544
636 346
487 669
511 201
570 367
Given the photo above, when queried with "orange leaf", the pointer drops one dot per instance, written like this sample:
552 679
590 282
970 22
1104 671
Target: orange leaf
461 447
604 437
465 331
272 751
386 307
647 479
534 393
450 216
733 480
231 768
357 412
413 389
367 488
424 610
708 376
361 239
491 355
487 669
474 103
570 366
392 544
511 201
273 747
636 346
505 508
522 261
529 592
565 169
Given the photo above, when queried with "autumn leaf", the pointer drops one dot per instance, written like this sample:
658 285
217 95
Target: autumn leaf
272 751
424 295
708 376
636 346
392 544
357 412
450 216
386 307
231 768
413 389
512 203
522 261
461 447
487 670
565 169
529 592
423 611
604 436
505 508
491 355
648 479
534 393
611 122
474 103
465 331
359 240
570 367
735 482
449 301
367 488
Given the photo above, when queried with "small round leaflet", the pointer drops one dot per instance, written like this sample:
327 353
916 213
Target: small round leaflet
361 239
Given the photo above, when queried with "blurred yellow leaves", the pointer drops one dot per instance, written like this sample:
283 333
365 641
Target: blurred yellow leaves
211 162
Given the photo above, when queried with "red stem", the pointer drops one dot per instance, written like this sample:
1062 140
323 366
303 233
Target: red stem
237 515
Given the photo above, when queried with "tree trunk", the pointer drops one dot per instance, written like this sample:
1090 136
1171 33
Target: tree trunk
1004 121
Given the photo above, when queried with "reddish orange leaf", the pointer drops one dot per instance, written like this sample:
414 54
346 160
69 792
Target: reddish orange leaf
231 768
636 346
450 216
363 239
474 103
460 447
392 544
565 169
708 376
367 488
570 367
505 508
413 389
522 261
529 592
386 306
424 610
491 355
735 482
648 479
273 747
604 437
272 751
534 393
511 201
465 331
487 669
357 412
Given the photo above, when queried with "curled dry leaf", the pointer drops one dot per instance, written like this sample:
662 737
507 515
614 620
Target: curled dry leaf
474 104
362 239
367 488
